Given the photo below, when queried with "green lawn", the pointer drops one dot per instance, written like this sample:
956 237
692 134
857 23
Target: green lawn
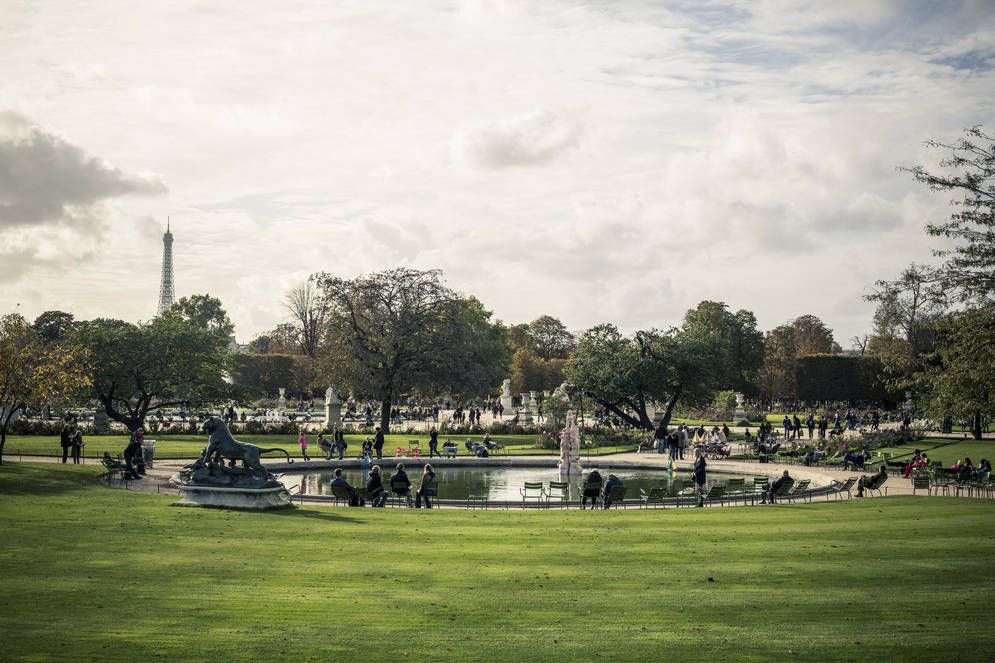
948 451
91 573
190 446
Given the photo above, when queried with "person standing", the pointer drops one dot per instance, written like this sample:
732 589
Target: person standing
661 437
133 449
810 422
427 488
378 443
66 440
699 475
303 442
77 446
339 438
433 443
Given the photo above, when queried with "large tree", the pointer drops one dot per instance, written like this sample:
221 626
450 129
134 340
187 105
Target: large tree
908 308
968 170
205 312
167 362
308 310
550 338
404 329
33 371
742 344
54 326
625 376
952 374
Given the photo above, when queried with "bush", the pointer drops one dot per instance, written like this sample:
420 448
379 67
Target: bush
548 440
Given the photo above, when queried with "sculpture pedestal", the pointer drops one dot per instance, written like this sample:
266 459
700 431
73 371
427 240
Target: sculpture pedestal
251 499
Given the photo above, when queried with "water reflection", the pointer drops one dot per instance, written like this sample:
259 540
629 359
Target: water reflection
498 483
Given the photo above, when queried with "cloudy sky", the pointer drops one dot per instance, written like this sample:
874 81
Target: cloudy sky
595 161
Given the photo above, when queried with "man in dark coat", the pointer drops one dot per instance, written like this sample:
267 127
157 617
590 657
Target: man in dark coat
378 443
591 492
131 452
66 439
609 484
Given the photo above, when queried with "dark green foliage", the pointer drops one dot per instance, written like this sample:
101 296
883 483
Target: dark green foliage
825 377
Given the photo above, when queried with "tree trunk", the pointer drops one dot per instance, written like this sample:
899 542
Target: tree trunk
670 408
976 426
385 405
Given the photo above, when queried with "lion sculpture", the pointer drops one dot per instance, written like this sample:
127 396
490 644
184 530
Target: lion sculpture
221 443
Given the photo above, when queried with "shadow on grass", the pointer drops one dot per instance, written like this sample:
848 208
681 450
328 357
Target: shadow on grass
45 479
312 513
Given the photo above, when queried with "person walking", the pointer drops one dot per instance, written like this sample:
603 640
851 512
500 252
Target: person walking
699 475
303 442
77 446
339 438
433 443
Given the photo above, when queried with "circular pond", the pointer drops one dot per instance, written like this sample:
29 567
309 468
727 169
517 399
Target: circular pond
499 484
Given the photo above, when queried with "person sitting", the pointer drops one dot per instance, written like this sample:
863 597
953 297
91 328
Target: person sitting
873 480
450 448
325 445
984 469
374 485
855 458
489 443
400 484
772 488
606 491
917 461
476 448
591 491
339 481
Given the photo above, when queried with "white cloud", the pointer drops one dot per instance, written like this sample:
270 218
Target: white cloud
595 161
526 140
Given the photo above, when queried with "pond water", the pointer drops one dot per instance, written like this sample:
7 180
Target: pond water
499 483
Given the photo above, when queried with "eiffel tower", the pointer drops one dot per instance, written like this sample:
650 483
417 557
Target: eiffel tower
166 284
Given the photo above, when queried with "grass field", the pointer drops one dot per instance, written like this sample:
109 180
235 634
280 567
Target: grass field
190 446
91 573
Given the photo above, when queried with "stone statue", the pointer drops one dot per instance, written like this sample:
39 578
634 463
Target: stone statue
210 469
569 463
333 408
506 388
331 396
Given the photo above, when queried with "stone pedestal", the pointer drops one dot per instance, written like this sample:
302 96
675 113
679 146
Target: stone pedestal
333 408
281 402
101 423
251 499
740 412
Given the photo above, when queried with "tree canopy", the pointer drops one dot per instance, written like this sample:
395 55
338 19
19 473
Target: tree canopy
33 371
167 362
207 313
742 344
625 376
403 329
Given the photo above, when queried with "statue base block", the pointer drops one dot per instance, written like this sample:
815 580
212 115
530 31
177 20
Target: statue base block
249 499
